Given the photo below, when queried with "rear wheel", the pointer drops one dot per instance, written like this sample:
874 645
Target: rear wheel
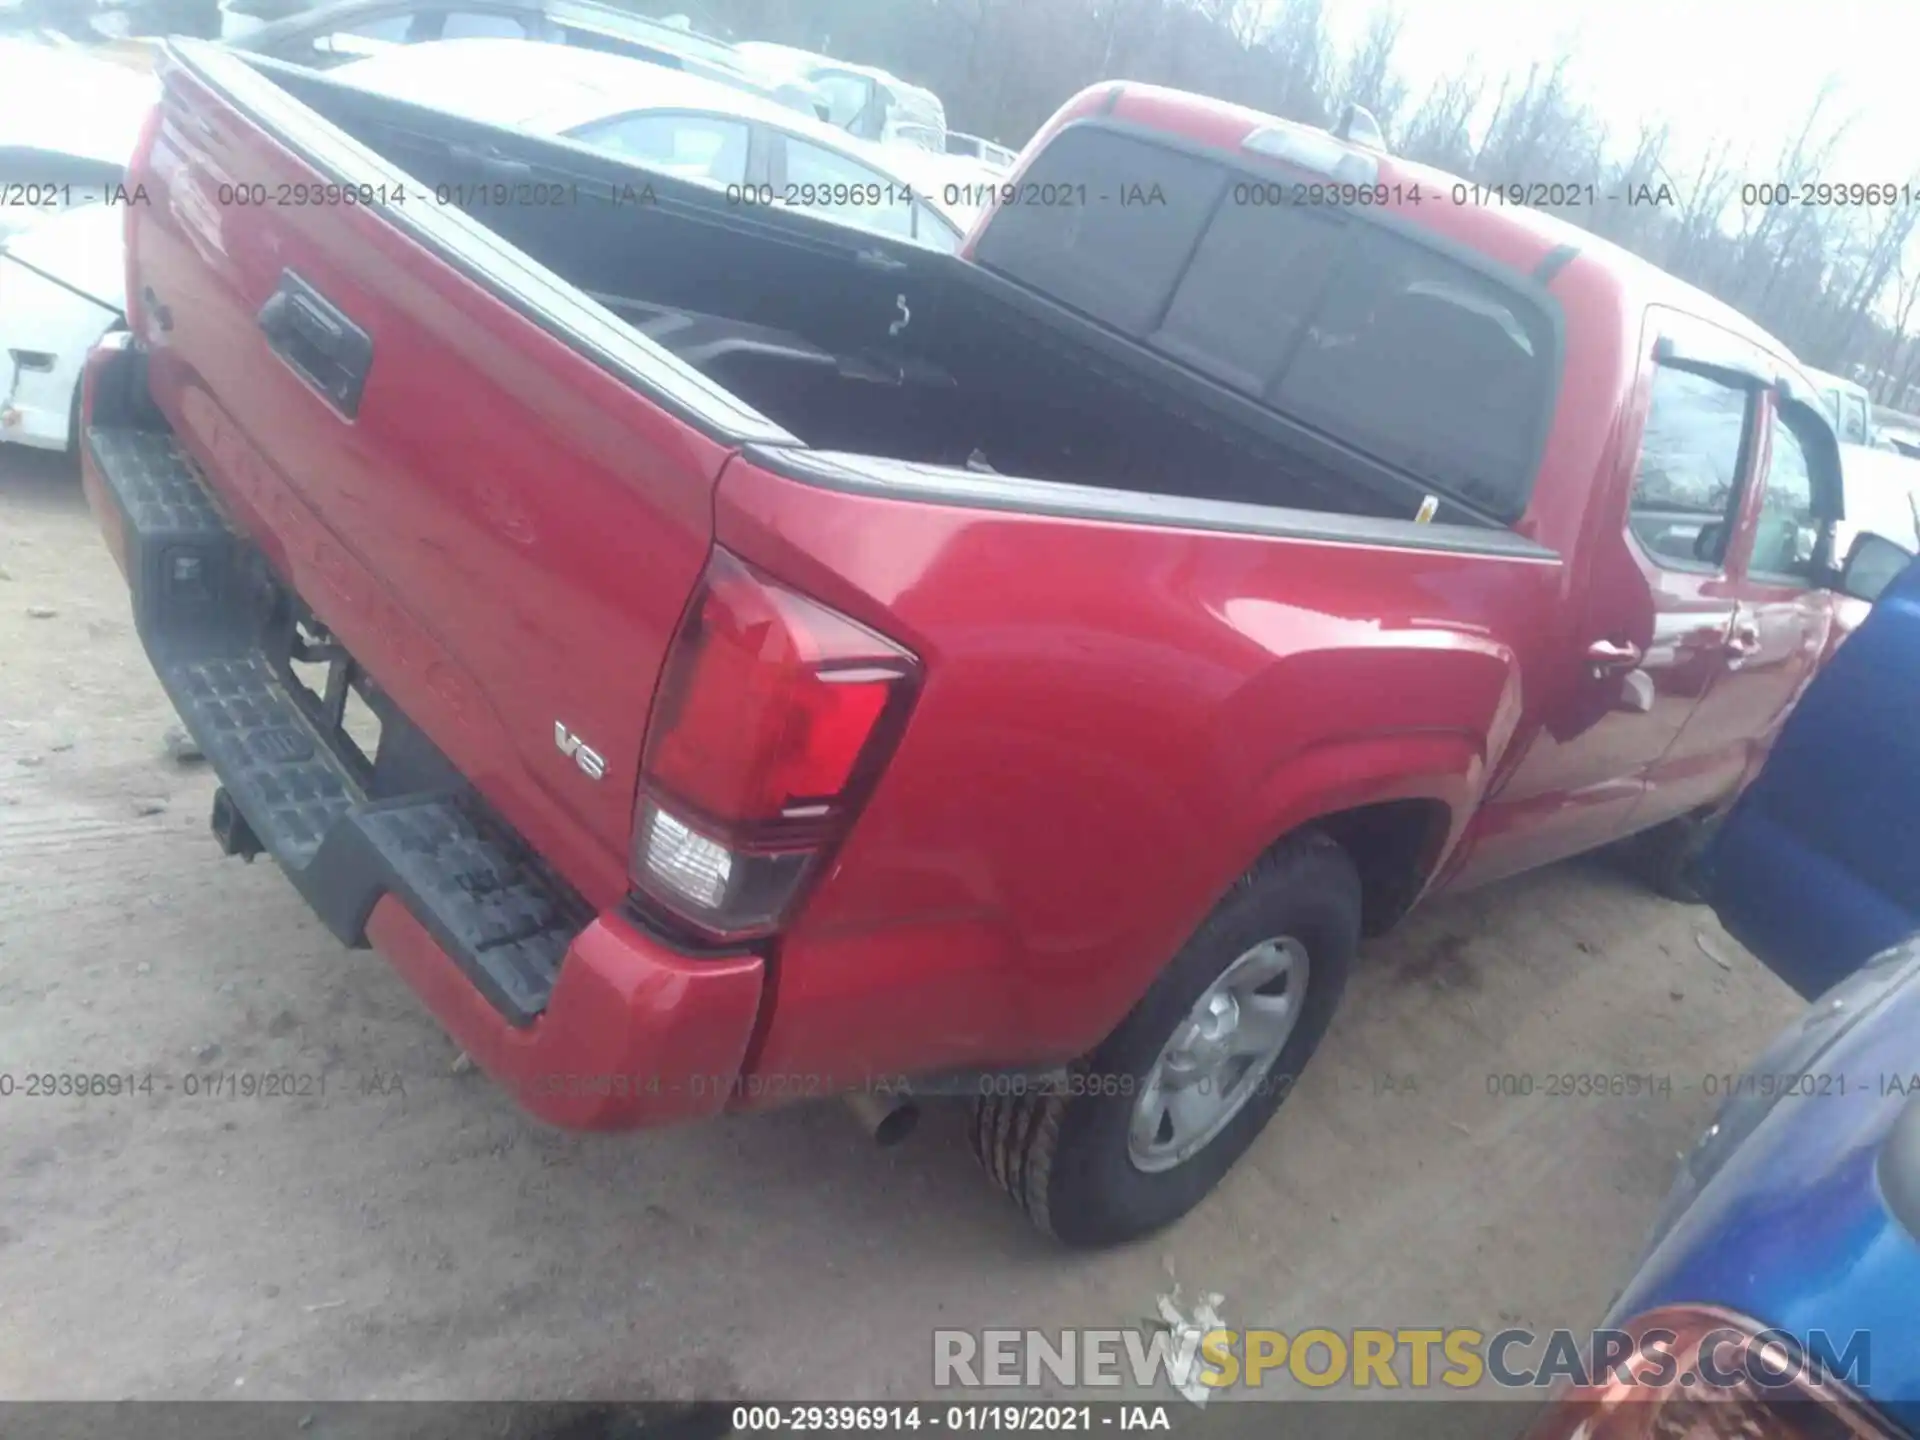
1141 1130
1668 857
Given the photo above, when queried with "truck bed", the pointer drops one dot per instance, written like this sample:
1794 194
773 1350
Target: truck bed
856 343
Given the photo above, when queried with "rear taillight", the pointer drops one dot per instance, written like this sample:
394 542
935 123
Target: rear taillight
1697 1373
774 717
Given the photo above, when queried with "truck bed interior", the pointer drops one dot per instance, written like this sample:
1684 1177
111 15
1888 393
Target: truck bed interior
858 344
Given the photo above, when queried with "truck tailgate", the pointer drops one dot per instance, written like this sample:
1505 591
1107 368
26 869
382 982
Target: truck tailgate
482 510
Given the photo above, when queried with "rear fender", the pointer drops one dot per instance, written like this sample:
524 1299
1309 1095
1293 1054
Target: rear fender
1460 694
1446 767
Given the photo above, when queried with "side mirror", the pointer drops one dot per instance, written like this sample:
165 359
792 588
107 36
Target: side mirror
1873 563
1708 544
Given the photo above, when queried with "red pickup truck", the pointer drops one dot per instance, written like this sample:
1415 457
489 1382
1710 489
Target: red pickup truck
803 662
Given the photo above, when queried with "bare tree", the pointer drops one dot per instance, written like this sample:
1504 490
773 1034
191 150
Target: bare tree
1899 332
1369 77
1776 232
1440 132
1839 284
1881 264
1697 244
1628 222
1295 64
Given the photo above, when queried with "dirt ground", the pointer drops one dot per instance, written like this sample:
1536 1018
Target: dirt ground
410 1234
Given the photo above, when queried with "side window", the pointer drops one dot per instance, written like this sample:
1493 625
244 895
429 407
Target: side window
1689 468
847 97
354 42
1787 536
481 25
829 185
1854 432
1428 365
710 149
1831 401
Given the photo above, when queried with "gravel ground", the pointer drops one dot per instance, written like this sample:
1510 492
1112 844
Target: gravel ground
409 1234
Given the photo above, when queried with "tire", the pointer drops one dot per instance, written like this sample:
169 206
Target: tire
1065 1152
1668 858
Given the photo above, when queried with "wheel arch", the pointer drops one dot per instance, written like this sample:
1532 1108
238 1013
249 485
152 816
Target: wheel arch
1396 803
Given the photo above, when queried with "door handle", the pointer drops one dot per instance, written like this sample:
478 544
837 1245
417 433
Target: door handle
1606 657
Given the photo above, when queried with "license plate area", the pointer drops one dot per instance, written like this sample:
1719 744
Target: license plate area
347 710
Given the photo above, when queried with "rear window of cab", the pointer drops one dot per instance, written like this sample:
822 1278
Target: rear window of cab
1336 321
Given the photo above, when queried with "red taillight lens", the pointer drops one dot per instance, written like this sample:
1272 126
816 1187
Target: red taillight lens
774 716
1697 1373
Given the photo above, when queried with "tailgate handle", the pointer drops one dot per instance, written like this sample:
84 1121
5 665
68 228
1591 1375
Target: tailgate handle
313 336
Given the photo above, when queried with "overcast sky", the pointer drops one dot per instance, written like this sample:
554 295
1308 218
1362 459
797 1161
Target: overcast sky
1749 68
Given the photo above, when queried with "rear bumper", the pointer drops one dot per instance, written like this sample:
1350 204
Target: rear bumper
591 1022
633 1035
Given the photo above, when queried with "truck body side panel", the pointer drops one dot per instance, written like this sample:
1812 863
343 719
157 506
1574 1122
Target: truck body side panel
1116 720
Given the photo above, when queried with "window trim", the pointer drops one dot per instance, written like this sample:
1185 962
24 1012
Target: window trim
1824 512
1524 286
1731 379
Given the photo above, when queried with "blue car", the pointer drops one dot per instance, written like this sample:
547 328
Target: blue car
1780 1291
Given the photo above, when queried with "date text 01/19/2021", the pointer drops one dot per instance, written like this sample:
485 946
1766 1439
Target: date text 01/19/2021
1723 1086
194 1084
914 1416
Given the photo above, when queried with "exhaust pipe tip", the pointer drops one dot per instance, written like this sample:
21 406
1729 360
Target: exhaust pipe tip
887 1119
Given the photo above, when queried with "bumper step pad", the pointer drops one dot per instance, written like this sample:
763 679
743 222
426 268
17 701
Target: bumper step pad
206 607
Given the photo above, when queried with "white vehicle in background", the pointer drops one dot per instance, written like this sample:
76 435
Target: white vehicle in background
996 158
68 124
1906 441
62 282
682 125
868 104
1880 495
876 105
1848 406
